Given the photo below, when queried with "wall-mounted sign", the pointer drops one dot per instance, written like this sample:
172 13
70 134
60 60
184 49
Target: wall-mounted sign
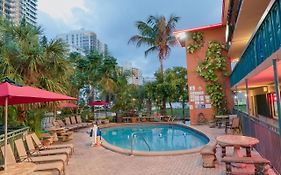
199 98
192 88
200 106
208 106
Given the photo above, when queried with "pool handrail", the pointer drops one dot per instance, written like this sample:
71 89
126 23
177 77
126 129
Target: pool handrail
132 139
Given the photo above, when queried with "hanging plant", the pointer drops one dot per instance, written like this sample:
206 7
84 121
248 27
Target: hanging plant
213 65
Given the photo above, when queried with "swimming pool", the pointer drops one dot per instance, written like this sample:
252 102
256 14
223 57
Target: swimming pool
154 137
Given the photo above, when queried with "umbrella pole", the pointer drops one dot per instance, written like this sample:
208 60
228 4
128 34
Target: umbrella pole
6 133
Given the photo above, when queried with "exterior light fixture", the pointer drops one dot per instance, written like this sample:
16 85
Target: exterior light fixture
182 36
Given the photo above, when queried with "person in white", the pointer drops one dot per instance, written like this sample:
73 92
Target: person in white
93 135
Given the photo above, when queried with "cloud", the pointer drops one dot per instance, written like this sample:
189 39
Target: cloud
62 9
114 23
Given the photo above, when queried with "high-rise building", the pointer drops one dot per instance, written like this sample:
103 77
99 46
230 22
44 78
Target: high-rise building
16 10
83 40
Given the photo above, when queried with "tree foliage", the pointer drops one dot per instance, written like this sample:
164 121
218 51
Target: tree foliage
157 33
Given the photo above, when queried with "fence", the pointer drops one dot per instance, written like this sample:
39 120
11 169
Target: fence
12 136
270 145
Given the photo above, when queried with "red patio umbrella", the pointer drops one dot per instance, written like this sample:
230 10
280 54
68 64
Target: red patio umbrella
99 103
68 105
11 94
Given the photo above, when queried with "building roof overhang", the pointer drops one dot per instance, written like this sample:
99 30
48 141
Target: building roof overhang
181 35
247 21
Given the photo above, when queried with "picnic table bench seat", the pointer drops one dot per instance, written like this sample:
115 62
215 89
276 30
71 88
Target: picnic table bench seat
259 163
208 153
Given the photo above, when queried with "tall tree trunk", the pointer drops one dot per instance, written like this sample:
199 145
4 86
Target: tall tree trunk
92 94
171 107
183 109
164 99
162 68
149 107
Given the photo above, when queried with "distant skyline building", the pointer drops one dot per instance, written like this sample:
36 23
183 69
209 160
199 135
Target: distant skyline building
16 10
148 79
83 41
135 75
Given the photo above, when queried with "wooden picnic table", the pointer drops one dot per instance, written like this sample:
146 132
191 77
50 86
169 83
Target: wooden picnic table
53 132
238 141
23 168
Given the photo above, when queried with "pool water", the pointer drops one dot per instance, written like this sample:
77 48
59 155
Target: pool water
157 137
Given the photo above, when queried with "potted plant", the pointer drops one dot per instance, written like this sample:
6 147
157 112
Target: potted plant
133 117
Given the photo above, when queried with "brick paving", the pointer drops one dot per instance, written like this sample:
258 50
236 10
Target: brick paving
88 160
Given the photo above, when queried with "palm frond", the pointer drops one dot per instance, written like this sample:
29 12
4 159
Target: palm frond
141 40
150 50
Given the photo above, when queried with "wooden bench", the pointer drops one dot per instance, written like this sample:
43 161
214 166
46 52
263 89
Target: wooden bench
259 163
208 153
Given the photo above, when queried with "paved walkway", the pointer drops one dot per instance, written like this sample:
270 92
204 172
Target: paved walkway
99 161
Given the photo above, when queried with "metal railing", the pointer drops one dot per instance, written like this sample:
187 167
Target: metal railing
12 136
270 144
134 135
263 43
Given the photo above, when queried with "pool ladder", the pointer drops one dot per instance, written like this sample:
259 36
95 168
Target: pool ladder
132 141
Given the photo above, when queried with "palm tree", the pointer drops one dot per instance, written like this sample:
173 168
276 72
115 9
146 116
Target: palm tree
157 34
29 59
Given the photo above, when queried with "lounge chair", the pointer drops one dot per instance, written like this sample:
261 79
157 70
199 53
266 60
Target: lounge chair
68 123
79 121
37 152
42 147
171 118
37 159
73 122
39 167
62 124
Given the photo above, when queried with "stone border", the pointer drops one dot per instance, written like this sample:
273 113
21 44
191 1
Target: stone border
153 153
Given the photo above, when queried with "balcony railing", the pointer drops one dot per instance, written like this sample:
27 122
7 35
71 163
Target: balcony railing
265 41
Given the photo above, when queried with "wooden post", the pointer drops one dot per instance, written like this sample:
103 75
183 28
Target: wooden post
6 133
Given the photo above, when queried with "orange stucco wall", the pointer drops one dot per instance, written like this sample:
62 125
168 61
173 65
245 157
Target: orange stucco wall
198 98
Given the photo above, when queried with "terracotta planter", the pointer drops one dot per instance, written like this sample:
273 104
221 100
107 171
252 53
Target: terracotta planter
133 119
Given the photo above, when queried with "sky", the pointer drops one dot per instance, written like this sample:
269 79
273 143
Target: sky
114 23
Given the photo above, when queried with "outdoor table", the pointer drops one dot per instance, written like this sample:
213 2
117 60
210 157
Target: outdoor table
23 168
220 119
237 141
53 132
126 119
149 118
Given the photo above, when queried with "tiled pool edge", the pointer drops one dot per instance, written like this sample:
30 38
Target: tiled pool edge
153 153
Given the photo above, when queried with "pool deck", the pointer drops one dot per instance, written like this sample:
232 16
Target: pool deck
88 160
